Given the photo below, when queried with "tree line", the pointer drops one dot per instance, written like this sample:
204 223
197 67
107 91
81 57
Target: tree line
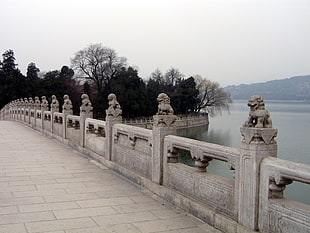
98 71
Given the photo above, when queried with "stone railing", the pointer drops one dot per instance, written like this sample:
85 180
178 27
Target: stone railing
218 193
183 121
278 214
251 201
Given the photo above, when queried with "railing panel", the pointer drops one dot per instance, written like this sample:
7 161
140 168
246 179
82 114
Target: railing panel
278 214
218 193
73 129
95 132
39 120
26 116
32 117
47 121
132 148
57 123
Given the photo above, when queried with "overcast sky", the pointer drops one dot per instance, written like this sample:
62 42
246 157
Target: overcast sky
228 41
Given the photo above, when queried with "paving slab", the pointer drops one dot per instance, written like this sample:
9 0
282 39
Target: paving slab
46 186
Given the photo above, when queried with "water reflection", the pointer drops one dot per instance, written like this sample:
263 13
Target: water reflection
193 133
212 136
208 135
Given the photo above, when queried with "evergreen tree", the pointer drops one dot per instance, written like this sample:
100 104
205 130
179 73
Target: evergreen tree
32 80
131 93
184 99
12 82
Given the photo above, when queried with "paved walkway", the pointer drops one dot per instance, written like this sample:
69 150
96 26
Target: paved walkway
46 186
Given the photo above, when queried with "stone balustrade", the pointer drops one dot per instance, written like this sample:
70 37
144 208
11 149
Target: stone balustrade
95 134
251 201
183 121
220 194
278 214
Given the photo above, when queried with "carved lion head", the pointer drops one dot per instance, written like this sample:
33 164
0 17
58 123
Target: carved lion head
256 102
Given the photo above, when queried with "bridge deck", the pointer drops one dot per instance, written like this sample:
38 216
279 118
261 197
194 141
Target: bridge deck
46 186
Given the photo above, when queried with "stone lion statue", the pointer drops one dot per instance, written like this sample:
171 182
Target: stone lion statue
114 110
67 106
86 106
259 117
54 104
31 103
44 104
37 103
26 103
18 103
164 107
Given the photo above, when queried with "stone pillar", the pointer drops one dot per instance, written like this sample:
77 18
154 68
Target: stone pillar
86 111
12 109
257 143
44 107
31 106
54 108
22 110
26 110
37 106
66 110
113 116
163 126
18 112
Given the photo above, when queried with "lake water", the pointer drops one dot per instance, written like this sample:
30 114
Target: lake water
292 119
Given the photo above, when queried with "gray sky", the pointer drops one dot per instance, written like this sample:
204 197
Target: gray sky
228 41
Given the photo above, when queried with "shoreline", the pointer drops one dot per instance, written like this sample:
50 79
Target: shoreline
278 101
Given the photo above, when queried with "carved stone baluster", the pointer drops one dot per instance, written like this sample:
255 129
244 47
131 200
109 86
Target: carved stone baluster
98 131
66 110
37 106
257 143
54 108
163 126
26 109
113 116
202 164
277 185
86 111
172 156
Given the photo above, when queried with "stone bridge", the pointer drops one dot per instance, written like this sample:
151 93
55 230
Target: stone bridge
251 201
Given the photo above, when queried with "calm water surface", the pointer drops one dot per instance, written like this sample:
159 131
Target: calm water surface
292 119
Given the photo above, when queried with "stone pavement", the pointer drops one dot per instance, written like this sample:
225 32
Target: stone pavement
46 186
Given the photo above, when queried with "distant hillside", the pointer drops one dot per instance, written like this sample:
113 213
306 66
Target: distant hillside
295 88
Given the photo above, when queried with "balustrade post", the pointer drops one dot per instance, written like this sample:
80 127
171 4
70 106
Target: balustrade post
31 106
37 106
54 108
14 109
257 143
44 107
66 110
26 110
8 111
86 111
21 110
113 116
163 126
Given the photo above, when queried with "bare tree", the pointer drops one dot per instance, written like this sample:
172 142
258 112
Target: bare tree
157 76
211 98
173 76
98 65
